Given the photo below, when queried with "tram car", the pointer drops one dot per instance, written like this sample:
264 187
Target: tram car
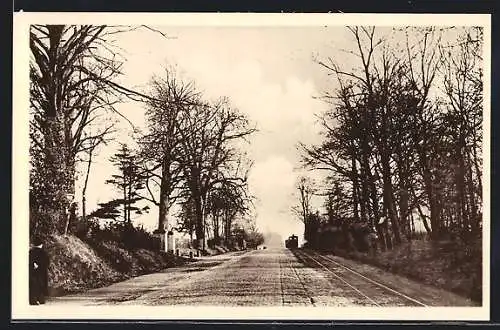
292 242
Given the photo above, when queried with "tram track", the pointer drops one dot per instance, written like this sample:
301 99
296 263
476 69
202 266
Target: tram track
371 291
293 286
417 302
271 277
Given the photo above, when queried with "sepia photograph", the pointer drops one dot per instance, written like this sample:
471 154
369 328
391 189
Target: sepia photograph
251 166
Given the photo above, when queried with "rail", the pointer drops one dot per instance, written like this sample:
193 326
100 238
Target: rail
326 262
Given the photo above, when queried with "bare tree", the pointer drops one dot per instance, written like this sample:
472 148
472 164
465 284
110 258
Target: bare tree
393 134
209 146
67 90
167 112
89 152
462 70
226 200
306 190
72 73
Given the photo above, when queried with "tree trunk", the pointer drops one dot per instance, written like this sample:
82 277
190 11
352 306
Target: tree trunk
129 200
472 201
164 200
85 184
69 213
355 189
388 193
124 203
433 204
463 217
227 223
404 210
374 198
199 225
216 227
365 187
59 179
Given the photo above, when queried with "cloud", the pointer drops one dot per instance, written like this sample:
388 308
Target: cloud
282 107
268 179
272 181
264 82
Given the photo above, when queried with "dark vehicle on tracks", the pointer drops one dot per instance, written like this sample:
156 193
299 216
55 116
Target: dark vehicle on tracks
292 242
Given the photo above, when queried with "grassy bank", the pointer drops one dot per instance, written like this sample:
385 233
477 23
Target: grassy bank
76 266
446 265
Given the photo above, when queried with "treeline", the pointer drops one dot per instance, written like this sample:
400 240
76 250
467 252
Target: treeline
189 154
402 139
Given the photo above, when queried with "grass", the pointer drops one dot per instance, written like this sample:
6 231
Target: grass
76 266
219 249
448 265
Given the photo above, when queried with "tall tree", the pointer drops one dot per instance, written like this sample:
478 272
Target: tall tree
405 127
170 104
72 73
129 181
186 218
209 146
463 86
226 200
305 189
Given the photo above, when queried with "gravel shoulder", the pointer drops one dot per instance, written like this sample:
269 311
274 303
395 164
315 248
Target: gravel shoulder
430 295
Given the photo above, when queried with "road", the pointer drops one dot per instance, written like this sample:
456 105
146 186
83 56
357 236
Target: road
271 277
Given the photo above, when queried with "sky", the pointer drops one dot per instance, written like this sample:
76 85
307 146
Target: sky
268 73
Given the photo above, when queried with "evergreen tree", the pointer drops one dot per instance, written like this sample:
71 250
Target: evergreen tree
129 182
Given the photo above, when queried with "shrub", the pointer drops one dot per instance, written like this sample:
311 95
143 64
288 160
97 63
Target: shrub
125 235
74 266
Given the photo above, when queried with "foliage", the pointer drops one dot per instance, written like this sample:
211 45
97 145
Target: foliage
198 156
312 224
444 264
128 182
161 151
70 88
254 238
402 137
78 265
124 234
306 190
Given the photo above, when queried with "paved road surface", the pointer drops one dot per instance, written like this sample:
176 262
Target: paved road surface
271 277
